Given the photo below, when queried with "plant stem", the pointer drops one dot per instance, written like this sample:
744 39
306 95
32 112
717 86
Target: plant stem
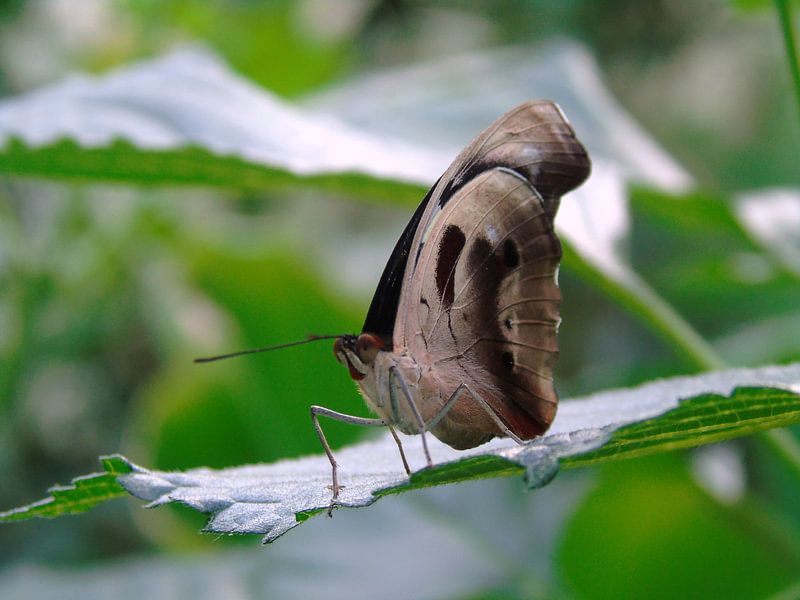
634 294
643 301
783 445
784 8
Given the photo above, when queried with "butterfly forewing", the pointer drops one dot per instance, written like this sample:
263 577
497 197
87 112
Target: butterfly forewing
533 139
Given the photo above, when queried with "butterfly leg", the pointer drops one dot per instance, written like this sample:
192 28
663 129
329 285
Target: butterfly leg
460 390
337 416
394 373
400 448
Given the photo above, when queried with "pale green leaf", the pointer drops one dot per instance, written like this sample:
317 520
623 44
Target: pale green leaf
82 494
659 416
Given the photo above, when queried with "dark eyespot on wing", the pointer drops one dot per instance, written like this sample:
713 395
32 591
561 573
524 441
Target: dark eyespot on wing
481 250
450 248
510 253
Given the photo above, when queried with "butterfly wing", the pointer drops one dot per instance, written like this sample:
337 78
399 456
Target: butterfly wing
480 301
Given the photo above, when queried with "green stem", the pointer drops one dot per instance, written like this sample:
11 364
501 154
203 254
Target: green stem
784 447
784 8
640 299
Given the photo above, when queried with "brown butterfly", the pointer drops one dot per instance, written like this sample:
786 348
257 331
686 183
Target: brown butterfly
460 338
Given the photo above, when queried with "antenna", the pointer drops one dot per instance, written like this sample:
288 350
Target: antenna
309 339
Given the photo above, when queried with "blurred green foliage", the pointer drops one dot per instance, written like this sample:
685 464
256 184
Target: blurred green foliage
264 40
647 530
705 264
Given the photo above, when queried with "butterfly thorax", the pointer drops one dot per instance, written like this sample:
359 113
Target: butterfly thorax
395 377
378 372
391 376
392 380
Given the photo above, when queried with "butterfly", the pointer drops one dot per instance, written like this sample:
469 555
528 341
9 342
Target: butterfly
460 339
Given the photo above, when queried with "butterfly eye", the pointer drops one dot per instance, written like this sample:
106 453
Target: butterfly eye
368 346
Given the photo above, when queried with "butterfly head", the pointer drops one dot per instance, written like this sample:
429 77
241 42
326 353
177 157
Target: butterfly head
358 352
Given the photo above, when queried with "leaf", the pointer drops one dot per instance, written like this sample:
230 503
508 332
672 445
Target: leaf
706 419
658 416
361 554
741 256
84 493
186 119
189 164
751 5
440 103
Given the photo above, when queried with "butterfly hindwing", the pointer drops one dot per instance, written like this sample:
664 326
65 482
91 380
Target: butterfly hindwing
488 301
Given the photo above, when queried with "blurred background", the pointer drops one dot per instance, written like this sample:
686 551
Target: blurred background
107 291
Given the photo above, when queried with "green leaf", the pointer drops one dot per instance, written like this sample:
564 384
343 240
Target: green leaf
752 5
656 417
84 493
704 419
187 119
122 161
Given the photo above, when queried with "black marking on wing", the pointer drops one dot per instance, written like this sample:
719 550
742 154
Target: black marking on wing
449 250
382 312
472 171
488 274
510 253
